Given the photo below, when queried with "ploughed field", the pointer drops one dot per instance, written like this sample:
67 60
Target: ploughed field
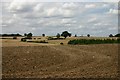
60 61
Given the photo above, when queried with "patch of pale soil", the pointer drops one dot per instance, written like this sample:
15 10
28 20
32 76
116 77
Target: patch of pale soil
17 43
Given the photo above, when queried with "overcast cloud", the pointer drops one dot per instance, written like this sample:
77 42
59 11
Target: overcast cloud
82 18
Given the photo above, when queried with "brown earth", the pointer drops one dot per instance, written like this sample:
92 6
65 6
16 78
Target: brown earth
33 60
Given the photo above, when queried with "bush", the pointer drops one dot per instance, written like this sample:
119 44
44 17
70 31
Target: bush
28 38
23 39
50 38
42 41
61 43
14 37
38 38
38 41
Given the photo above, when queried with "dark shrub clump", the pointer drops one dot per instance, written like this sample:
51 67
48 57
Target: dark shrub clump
61 43
14 37
93 41
38 41
23 39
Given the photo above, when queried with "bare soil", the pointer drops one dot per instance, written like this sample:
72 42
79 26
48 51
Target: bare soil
34 60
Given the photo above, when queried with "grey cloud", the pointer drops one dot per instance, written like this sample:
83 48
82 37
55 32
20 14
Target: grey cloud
52 18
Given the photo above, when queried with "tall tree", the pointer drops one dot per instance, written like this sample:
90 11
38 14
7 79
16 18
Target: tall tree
75 35
110 35
58 35
25 34
65 34
88 35
43 35
117 35
69 34
29 35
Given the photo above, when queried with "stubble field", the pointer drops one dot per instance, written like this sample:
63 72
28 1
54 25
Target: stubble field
36 60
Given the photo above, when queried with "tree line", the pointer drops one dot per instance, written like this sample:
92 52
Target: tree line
117 35
10 35
65 34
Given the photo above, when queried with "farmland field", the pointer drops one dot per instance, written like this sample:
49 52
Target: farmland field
39 60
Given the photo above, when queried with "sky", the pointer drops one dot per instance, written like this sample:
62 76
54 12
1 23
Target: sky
50 18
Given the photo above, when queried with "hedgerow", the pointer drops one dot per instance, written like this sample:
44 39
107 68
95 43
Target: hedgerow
93 41
38 41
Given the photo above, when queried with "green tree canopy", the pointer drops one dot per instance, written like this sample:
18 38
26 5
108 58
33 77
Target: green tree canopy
29 35
88 35
43 35
110 35
117 35
66 34
75 35
58 35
